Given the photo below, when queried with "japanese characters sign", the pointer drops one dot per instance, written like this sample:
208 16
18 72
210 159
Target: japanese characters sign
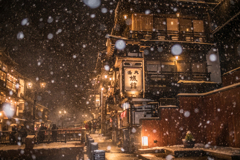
133 79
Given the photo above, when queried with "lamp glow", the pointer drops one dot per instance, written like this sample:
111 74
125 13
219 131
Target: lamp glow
29 85
176 57
125 16
144 141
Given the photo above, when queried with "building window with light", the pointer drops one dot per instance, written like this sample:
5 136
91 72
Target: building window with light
11 82
172 24
142 22
185 25
183 67
2 76
198 26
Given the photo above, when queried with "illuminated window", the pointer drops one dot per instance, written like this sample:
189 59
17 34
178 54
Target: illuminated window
142 22
183 67
198 26
172 24
2 75
11 82
185 25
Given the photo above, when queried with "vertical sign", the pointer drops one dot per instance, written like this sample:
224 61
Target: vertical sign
133 79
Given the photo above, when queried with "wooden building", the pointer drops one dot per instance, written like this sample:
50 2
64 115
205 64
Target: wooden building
157 52
17 97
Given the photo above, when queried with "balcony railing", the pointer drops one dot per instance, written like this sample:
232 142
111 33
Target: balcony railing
168 35
166 78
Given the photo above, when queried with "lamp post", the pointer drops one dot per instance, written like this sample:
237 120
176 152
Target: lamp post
62 113
29 86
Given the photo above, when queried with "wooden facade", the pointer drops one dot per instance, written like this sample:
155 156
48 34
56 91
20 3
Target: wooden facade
150 37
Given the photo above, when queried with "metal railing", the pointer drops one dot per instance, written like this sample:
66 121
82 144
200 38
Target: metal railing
44 136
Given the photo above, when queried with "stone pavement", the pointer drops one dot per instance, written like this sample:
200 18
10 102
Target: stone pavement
112 151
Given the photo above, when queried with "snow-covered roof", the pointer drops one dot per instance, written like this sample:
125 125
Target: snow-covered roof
231 71
211 92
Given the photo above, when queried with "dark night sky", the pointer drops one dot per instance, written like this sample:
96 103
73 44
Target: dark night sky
66 61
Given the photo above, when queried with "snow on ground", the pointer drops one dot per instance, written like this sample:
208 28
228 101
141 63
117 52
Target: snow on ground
208 148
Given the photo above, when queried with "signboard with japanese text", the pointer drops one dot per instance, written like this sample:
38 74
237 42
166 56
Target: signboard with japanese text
133 79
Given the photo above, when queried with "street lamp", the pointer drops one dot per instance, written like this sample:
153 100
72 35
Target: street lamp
29 86
62 113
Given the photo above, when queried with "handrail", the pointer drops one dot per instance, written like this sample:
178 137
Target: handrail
47 136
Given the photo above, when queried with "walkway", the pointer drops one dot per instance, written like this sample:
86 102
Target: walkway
112 151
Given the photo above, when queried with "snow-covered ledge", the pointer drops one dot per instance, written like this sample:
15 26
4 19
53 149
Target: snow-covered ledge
188 81
211 92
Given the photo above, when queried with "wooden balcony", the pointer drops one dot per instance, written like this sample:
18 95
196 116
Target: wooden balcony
169 36
169 84
166 78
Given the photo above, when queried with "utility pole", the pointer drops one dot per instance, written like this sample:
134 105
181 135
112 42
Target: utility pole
34 110
103 107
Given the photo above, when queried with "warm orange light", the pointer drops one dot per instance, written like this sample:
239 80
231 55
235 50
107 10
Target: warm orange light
102 89
176 57
144 141
43 85
65 112
171 22
105 76
60 112
125 16
178 14
29 85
